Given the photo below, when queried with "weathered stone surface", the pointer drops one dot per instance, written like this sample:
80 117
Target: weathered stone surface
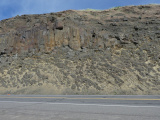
113 51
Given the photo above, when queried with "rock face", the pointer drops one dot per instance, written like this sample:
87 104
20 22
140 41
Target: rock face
113 51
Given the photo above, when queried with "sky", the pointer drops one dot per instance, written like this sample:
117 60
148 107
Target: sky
11 8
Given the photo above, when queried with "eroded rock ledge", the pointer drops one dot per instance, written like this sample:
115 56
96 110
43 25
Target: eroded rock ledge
113 51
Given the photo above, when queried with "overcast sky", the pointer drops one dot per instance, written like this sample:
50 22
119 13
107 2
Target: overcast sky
11 8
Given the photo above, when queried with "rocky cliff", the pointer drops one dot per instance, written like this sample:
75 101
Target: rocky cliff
115 51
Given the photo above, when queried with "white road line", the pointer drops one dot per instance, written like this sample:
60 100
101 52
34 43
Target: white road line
74 104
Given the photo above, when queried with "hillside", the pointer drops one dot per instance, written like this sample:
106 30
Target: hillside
115 51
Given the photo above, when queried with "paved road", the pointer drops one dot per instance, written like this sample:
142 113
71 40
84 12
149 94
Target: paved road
79 107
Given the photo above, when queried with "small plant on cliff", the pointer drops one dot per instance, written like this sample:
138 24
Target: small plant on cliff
116 8
88 9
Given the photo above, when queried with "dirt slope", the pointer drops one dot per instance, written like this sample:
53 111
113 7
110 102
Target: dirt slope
114 51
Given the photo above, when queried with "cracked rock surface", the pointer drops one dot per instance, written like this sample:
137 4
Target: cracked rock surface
115 51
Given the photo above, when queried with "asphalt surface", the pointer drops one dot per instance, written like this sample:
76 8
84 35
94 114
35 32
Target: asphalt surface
79 107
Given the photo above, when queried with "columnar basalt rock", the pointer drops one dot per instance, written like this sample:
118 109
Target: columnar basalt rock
114 51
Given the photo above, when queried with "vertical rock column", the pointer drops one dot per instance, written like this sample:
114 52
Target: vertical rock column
74 40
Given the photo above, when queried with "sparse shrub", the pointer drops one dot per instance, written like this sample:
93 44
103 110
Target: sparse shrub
116 8
88 9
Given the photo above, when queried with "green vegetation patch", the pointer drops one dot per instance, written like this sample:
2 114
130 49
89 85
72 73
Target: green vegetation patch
88 9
